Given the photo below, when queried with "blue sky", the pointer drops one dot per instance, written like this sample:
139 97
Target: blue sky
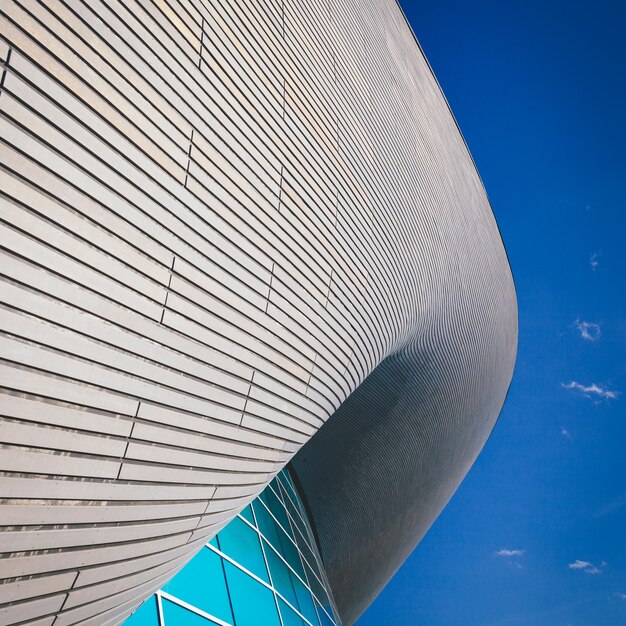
539 90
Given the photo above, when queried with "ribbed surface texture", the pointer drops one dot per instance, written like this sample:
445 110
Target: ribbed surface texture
218 217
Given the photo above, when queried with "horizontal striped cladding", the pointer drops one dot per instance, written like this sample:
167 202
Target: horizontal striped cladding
217 219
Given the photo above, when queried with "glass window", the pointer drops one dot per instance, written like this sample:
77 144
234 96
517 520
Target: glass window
175 615
324 619
296 514
247 513
253 603
291 555
281 576
287 483
306 550
145 615
296 520
281 542
288 584
266 524
290 618
241 543
223 593
317 589
201 583
276 507
305 601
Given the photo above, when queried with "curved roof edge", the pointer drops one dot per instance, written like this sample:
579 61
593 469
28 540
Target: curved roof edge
381 469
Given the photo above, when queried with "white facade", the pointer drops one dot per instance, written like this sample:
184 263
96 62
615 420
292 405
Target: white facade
218 218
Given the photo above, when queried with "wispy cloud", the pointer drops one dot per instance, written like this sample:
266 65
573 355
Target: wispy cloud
593 259
621 596
612 506
588 330
591 391
586 566
566 433
507 553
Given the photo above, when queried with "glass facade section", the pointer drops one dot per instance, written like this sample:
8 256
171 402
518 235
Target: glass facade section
263 569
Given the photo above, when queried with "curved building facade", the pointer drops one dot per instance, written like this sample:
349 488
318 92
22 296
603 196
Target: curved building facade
232 231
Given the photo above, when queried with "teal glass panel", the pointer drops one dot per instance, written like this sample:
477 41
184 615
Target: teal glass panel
242 544
276 507
247 513
290 618
287 482
285 479
174 615
324 619
305 601
145 615
305 548
317 589
281 542
290 503
266 524
281 577
253 603
291 555
221 590
300 532
295 518
201 583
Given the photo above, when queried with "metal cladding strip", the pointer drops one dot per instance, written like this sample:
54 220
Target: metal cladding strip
218 218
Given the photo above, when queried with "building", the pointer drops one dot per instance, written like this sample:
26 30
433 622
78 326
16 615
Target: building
263 568
232 231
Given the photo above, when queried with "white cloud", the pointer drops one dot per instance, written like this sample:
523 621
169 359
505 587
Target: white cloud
588 330
593 260
566 433
621 596
591 390
613 506
586 566
506 553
